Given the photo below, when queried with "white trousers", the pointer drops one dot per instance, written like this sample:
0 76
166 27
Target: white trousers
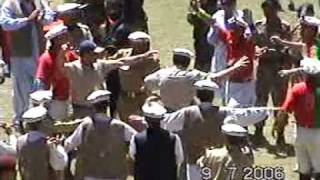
58 110
241 94
193 172
308 150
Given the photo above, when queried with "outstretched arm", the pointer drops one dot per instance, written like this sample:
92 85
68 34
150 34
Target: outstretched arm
290 44
225 73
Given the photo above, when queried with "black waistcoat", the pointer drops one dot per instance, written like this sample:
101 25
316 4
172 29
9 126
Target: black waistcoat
155 156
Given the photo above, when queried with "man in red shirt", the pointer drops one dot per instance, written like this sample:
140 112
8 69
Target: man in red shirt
48 76
303 100
240 91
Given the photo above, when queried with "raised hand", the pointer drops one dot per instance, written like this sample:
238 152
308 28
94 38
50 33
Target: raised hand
243 62
34 15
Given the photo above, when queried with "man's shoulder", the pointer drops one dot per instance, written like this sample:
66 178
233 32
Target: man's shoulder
119 123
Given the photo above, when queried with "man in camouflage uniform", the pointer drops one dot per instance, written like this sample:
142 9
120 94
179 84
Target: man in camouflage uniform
271 61
203 50
132 96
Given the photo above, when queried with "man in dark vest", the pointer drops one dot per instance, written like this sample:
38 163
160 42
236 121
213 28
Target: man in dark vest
38 157
24 20
157 153
102 143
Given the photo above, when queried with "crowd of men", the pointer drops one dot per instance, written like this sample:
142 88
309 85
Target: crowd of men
92 63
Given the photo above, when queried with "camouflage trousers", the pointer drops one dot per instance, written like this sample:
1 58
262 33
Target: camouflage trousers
269 82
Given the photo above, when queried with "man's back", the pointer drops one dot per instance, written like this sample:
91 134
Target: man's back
33 156
103 149
155 156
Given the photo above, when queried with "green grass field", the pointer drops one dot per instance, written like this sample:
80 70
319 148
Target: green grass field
169 29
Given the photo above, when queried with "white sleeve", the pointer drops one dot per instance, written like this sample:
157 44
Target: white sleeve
129 132
58 157
7 148
173 122
179 151
132 148
152 81
246 116
75 139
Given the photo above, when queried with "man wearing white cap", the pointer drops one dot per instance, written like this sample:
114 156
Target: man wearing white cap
88 72
24 20
303 101
157 153
132 96
47 75
176 83
229 161
102 142
70 14
38 156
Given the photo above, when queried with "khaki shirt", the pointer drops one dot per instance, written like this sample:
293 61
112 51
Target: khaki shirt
175 85
84 79
131 80
226 165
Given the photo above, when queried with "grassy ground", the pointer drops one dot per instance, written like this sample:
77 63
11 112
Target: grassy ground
169 29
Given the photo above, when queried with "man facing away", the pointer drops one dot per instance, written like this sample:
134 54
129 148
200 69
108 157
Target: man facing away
102 142
156 152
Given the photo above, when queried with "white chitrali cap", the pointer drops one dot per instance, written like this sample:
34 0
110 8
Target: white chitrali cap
153 110
66 7
99 96
234 130
206 85
183 52
310 20
310 66
56 31
34 114
139 35
41 96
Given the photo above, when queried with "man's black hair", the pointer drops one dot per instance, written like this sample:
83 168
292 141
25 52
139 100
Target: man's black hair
100 107
205 95
183 61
